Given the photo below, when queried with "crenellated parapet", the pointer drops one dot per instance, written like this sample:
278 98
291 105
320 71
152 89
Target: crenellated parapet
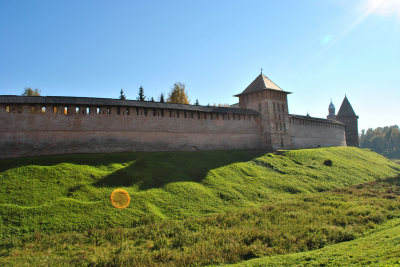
57 125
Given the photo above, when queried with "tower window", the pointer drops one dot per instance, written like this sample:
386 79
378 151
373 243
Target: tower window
259 106
278 108
277 127
274 106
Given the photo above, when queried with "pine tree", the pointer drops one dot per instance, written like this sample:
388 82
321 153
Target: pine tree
197 102
122 96
162 98
152 99
178 94
141 96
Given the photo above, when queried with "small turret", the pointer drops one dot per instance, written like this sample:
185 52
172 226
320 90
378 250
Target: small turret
331 110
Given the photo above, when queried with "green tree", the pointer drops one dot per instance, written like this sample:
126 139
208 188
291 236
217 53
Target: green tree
197 102
162 98
141 96
178 94
382 139
122 95
29 91
152 99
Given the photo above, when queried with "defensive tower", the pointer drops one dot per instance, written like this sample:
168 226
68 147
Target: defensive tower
347 116
270 101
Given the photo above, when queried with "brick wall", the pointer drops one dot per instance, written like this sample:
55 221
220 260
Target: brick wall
312 134
37 133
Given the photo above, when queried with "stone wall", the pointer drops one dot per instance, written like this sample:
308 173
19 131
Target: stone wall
53 132
308 133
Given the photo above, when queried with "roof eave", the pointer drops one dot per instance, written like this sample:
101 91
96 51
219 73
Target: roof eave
263 90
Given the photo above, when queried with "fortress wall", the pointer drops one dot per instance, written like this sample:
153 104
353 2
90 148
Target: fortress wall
312 134
27 134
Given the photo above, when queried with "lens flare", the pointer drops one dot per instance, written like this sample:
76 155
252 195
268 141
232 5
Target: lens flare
120 198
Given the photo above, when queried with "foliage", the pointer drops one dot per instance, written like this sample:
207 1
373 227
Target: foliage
301 223
122 95
29 91
141 96
178 94
221 105
197 103
151 99
381 139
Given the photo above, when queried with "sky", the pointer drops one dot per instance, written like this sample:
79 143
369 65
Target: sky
317 49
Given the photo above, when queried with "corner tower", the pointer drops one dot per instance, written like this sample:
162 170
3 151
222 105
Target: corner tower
347 116
331 110
270 100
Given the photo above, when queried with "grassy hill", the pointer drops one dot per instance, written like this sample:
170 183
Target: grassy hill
189 208
72 192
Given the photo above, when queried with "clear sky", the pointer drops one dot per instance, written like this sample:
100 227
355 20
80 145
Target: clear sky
317 49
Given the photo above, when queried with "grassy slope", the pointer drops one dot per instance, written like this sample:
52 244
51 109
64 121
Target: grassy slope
303 222
380 247
63 193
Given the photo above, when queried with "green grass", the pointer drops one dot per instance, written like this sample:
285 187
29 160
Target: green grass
379 247
315 228
72 192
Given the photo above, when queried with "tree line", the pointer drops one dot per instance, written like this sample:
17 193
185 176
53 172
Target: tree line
177 94
385 140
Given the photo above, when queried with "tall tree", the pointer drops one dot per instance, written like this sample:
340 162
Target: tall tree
29 91
178 94
152 99
162 98
197 102
141 96
122 95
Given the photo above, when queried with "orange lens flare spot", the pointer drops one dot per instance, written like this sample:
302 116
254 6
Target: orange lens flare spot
120 198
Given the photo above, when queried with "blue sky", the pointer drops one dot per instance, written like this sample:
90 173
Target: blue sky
317 49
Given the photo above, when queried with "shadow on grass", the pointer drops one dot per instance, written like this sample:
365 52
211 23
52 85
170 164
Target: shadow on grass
95 160
144 170
154 170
